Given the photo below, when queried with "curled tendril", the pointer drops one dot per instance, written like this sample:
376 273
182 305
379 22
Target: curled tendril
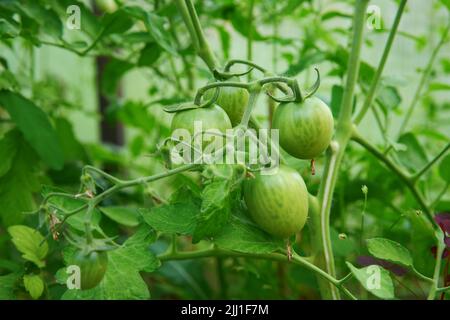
314 87
212 100
244 62
224 75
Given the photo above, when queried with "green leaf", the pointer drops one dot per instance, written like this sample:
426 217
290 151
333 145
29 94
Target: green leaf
18 184
116 22
389 250
439 86
305 62
48 20
243 236
444 168
414 157
7 286
73 150
221 181
173 218
149 55
30 243
126 216
374 279
113 72
389 98
423 238
36 127
122 279
225 40
34 285
155 26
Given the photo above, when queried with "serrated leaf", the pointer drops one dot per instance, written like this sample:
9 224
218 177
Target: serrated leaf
30 243
173 218
374 279
122 279
35 126
220 182
34 285
242 236
126 216
389 250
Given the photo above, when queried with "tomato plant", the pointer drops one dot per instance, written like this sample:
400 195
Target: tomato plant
91 93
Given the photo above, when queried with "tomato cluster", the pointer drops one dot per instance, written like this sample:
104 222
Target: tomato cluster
278 201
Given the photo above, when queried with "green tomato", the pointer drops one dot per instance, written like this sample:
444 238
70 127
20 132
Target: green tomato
212 117
231 99
278 203
306 128
92 268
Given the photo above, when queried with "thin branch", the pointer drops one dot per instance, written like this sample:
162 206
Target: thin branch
423 80
296 259
376 79
422 171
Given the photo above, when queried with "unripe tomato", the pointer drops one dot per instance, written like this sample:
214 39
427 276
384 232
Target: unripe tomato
212 117
278 203
92 268
306 128
231 99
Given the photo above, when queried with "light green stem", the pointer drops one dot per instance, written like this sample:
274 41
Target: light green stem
296 259
343 134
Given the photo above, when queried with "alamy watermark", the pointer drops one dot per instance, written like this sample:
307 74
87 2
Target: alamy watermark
235 146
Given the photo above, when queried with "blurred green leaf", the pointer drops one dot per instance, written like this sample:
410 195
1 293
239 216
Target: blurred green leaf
36 127
414 157
374 279
34 285
123 215
18 184
149 55
30 243
389 250
243 236
8 285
